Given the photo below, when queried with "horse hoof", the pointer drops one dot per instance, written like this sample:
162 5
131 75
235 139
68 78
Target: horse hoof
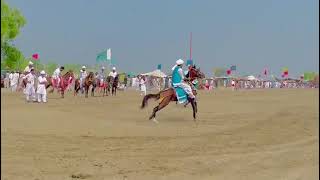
154 120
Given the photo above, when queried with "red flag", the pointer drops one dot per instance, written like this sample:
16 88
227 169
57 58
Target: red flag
35 56
286 73
228 71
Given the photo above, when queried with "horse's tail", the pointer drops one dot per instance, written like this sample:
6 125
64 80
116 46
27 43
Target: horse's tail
147 97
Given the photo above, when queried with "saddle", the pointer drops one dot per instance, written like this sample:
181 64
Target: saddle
182 96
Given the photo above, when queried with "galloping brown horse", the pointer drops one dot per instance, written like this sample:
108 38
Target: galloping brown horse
168 95
65 80
88 81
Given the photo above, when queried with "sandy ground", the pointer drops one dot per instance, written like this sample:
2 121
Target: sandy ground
243 135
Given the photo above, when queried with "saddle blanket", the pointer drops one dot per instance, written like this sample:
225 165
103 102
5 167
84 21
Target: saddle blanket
181 95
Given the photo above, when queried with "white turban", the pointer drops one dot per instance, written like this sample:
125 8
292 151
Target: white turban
83 67
178 62
42 72
30 63
102 67
114 68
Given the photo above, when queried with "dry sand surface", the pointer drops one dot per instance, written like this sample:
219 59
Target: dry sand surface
244 135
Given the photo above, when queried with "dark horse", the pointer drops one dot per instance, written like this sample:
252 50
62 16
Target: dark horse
65 80
88 81
168 95
113 83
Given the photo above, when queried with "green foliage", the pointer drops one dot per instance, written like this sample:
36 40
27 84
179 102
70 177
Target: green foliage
11 23
50 67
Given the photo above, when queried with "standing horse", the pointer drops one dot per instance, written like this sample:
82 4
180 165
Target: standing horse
114 85
168 95
65 80
88 81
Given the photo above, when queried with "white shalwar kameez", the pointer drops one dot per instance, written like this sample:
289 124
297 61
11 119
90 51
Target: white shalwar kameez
14 81
143 87
41 89
83 75
30 91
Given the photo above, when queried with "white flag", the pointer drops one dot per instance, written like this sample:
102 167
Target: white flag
109 54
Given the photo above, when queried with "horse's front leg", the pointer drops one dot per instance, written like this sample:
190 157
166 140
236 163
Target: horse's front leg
86 91
92 90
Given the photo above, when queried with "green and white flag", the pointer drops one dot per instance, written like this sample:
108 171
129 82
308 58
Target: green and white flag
102 57
109 54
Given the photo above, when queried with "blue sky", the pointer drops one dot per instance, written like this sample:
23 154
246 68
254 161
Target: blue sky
252 34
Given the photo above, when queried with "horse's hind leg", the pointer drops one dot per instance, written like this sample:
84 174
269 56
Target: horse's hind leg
161 105
193 103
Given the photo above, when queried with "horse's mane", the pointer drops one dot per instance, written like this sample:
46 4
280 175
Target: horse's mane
90 75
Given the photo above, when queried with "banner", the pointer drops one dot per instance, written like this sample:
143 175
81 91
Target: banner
233 68
189 62
228 71
159 66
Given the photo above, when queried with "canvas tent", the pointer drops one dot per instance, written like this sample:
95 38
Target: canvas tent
155 79
155 73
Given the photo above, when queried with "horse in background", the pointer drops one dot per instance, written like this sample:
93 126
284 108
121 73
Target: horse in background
65 81
90 80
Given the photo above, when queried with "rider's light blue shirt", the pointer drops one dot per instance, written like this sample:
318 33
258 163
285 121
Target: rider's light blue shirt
176 77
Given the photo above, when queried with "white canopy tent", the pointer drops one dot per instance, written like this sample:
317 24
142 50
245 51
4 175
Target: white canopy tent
155 79
251 78
155 73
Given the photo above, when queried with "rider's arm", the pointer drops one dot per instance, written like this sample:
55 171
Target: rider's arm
180 71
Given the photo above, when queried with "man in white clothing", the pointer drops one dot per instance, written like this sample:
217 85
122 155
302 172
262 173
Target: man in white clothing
57 75
142 84
30 91
41 89
101 76
113 73
83 75
14 81
10 78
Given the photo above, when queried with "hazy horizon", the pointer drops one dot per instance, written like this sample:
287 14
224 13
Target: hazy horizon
251 34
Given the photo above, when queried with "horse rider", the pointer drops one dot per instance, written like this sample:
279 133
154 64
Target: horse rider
178 78
57 74
113 73
101 75
28 68
83 75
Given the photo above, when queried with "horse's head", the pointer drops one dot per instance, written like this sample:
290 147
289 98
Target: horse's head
68 75
195 73
90 76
